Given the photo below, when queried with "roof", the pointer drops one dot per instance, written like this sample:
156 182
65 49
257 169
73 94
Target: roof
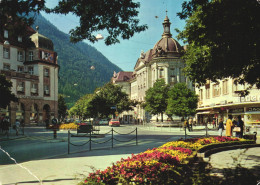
122 76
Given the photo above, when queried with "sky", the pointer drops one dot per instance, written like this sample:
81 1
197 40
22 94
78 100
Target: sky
126 53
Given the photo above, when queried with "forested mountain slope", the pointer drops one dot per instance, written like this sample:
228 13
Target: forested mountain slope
76 78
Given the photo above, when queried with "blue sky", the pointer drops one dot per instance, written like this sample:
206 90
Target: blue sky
126 53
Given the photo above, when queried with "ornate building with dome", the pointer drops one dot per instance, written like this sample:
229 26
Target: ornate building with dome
30 63
163 61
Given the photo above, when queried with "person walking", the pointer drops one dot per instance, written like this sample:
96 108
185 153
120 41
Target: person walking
240 123
229 126
5 126
17 126
190 124
220 126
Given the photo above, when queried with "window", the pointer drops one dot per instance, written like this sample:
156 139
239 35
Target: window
20 87
30 70
20 69
161 73
19 55
46 90
6 66
216 90
6 53
34 88
207 92
30 55
46 72
20 38
225 86
6 34
201 94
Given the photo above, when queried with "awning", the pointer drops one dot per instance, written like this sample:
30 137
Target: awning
207 112
237 113
253 112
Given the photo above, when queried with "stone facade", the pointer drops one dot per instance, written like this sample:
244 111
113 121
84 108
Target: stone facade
30 63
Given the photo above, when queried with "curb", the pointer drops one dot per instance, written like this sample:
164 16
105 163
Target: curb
207 153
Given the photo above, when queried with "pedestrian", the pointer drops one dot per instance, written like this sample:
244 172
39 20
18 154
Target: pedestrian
5 126
17 126
229 126
220 126
214 123
190 124
240 123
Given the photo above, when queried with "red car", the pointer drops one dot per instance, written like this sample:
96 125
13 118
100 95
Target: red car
114 122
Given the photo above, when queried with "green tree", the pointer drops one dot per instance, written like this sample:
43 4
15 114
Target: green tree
156 98
62 107
5 90
223 40
117 17
108 96
182 101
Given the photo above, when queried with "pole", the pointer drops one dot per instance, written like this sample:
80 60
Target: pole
206 129
185 133
90 142
112 138
69 142
136 136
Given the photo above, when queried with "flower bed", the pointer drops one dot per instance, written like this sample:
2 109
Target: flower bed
162 165
68 126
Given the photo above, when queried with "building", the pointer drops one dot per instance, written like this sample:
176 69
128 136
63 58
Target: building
163 61
223 98
30 62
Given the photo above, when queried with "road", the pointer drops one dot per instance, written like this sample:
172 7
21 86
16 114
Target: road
38 143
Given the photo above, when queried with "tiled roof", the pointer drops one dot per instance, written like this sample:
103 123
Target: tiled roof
122 76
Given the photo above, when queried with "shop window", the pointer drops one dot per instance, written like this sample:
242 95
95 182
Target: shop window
6 53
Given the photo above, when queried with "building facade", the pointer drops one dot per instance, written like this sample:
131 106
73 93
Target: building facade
163 61
218 100
30 63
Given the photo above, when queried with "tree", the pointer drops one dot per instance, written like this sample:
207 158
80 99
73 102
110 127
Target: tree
182 101
223 40
62 107
6 95
156 98
117 17
108 96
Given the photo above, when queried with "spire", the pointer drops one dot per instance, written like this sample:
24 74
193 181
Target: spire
166 26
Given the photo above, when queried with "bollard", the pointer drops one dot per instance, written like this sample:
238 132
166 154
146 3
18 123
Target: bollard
136 136
69 142
112 138
54 133
185 132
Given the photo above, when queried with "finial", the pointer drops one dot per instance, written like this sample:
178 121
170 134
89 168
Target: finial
166 11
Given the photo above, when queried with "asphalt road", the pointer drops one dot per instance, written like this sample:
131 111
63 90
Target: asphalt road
38 143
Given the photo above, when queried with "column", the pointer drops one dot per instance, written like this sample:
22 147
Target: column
166 75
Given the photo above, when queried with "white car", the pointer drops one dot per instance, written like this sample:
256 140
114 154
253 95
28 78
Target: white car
103 122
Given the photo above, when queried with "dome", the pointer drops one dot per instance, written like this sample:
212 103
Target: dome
167 46
41 41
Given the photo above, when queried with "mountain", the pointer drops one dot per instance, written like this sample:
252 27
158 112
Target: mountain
76 78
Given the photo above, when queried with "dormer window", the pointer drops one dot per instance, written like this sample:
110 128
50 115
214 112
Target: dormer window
6 34
20 38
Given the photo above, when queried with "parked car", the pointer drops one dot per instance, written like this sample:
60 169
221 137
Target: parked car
114 122
103 122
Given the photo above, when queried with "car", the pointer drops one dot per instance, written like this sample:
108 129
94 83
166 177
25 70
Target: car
103 122
114 122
